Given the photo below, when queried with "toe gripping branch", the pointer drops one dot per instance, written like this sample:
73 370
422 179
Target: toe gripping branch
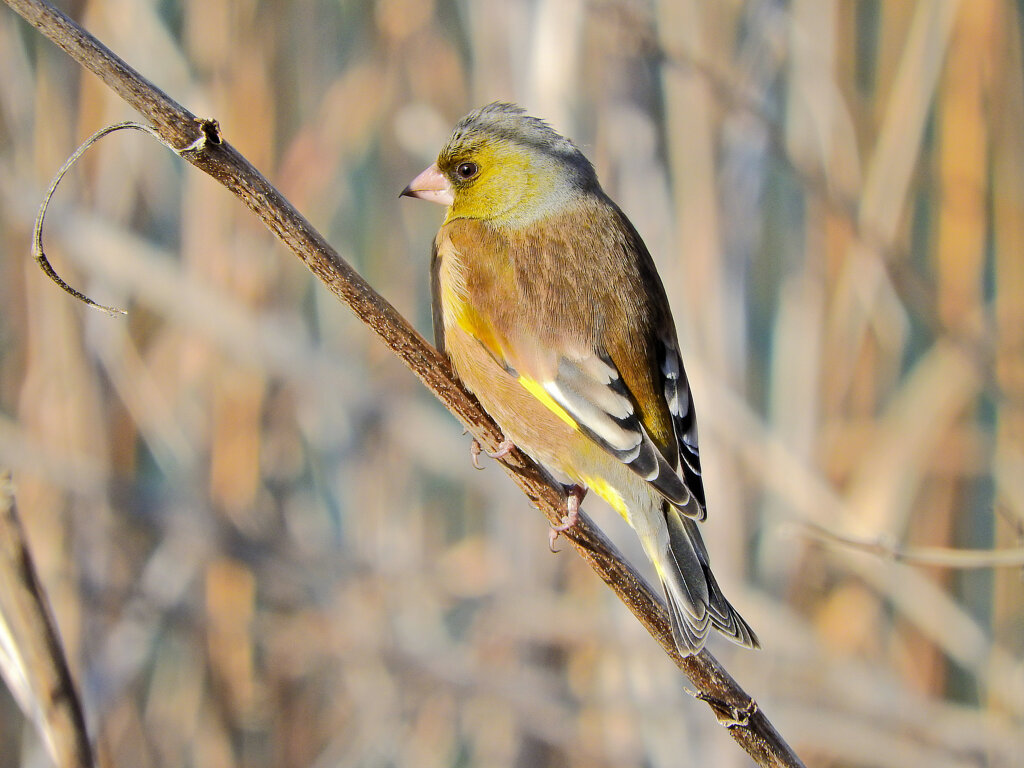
504 449
572 504
573 501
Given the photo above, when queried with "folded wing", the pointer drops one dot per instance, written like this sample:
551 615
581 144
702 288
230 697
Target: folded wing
593 392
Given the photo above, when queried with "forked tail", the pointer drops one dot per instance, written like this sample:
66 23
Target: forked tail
695 602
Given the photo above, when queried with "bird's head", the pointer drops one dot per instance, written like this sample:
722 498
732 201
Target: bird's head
503 166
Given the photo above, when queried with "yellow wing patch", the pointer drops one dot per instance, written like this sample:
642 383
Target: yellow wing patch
469 320
456 307
538 392
603 488
462 313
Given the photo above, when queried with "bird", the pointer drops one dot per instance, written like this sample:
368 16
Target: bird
550 309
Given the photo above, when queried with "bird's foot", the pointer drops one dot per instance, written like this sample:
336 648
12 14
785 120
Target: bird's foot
576 494
504 449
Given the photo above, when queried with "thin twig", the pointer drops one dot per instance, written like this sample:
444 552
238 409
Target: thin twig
37 230
735 709
943 557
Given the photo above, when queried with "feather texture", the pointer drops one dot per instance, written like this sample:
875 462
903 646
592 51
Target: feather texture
550 308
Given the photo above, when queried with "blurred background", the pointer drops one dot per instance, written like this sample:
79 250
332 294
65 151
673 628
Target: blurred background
265 544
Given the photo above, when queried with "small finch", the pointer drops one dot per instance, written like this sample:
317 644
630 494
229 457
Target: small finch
549 306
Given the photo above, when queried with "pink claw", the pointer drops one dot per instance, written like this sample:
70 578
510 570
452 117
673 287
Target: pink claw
504 449
474 453
576 495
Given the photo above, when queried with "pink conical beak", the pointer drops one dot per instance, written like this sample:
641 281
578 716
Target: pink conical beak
430 185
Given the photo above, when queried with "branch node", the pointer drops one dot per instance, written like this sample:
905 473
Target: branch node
209 133
728 715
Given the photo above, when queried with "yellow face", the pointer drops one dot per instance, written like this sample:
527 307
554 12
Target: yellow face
498 180
507 168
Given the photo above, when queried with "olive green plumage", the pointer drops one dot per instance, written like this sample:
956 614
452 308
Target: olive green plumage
551 311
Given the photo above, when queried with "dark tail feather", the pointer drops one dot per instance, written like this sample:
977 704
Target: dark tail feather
696 604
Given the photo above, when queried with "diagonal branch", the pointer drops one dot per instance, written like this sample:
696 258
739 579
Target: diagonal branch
200 143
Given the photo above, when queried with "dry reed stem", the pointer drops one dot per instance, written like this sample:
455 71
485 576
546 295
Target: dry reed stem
32 656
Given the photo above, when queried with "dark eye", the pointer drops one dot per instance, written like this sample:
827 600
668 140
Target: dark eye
466 170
